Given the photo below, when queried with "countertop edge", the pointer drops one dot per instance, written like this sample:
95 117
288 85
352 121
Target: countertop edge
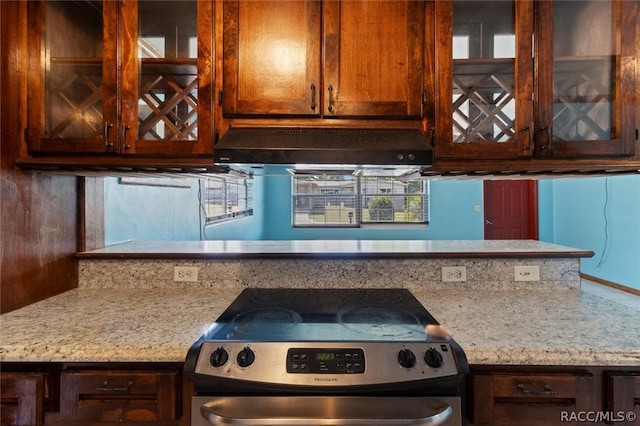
480 357
333 255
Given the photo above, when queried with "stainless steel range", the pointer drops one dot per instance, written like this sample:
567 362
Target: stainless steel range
326 357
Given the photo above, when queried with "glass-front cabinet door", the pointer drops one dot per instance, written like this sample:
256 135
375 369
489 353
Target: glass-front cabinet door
484 79
166 82
548 79
72 70
585 51
121 77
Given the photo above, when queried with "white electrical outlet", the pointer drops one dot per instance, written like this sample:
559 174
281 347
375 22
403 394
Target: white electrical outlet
526 273
185 273
454 273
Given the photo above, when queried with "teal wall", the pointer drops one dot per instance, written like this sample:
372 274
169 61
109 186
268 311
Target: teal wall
571 212
602 215
151 213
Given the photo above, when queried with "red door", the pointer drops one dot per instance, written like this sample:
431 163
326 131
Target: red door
510 209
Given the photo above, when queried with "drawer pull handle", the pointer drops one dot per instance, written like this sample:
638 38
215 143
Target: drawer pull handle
548 390
105 387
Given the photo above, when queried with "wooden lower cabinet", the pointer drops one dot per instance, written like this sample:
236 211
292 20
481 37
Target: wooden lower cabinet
85 394
624 397
530 398
500 395
120 396
22 396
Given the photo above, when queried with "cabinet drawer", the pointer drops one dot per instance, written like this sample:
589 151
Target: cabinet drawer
115 396
537 386
530 398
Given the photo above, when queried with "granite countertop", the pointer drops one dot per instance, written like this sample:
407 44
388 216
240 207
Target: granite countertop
532 327
335 248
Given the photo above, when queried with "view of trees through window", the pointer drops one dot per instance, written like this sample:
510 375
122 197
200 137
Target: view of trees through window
351 201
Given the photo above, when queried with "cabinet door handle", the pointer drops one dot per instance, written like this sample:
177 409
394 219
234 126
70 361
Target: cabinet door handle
529 129
313 96
547 132
330 88
548 390
106 388
125 128
105 135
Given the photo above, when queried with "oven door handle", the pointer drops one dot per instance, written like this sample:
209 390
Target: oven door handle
347 411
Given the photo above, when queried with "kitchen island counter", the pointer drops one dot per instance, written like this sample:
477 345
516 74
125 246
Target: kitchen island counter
333 263
526 327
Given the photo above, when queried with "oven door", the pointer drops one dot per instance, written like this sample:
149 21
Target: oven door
325 410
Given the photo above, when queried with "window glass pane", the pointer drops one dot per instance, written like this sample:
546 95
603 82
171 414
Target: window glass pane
325 200
584 53
227 198
504 46
334 201
386 199
461 47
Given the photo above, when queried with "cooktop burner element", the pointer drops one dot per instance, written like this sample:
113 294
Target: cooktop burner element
381 322
325 338
266 321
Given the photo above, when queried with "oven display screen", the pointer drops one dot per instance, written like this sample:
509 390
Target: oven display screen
325 361
325 356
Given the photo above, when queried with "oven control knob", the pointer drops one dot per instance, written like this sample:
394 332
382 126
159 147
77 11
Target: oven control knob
219 357
406 358
246 357
433 358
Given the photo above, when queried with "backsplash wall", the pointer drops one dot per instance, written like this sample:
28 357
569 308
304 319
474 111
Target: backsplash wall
489 274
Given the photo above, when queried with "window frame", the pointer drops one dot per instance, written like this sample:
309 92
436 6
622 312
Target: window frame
226 215
360 198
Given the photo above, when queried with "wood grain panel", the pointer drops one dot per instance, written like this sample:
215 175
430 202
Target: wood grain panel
38 211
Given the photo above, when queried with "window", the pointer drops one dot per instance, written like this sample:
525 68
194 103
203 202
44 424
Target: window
352 201
227 198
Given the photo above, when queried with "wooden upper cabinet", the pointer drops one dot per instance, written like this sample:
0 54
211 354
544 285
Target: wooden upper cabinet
548 79
484 79
271 58
373 58
71 91
336 59
120 77
586 53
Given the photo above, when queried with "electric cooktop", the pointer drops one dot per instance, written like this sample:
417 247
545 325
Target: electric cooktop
325 337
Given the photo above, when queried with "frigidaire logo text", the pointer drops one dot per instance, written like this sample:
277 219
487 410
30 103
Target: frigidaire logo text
325 379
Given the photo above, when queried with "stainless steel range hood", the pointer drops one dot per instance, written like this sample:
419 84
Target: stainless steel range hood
364 148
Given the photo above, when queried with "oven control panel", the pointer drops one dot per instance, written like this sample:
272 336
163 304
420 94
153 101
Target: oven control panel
325 361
